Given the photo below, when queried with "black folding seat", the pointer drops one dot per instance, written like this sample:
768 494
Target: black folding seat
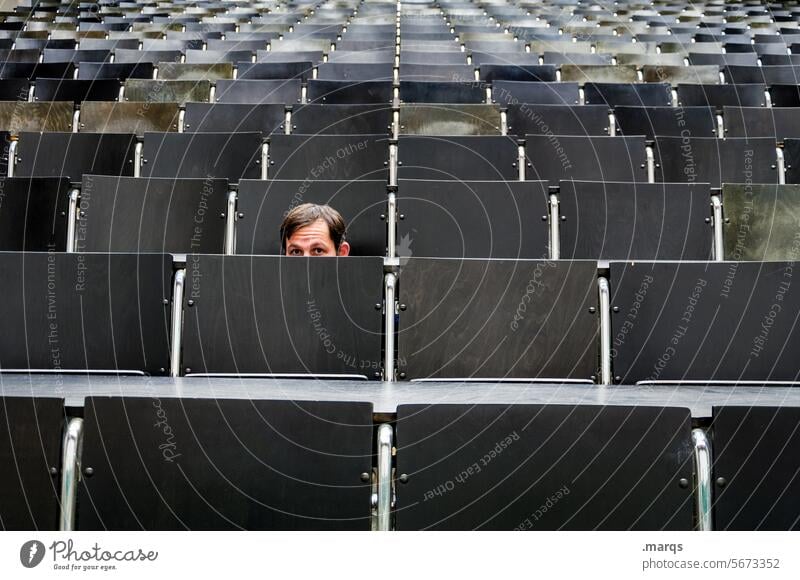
506 59
127 117
555 158
760 221
73 154
515 92
666 121
631 95
31 496
576 59
274 70
645 60
109 44
17 116
697 74
234 117
634 221
558 119
278 465
511 72
303 44
76 90
261 206
337 296
432 119
459 73
218 56
770 75
715 161
558 46
755 454
720 96
232 42
41 44
599 74
76 56
33 215
777 122
442 92
151 56
703 321
80 312
472 219
195 72
377 44
349 92
121 71
231 156
338 71
458 312
791 152
314 56
488 466
161 91
32 70
163 44
784 95
328 157
258 92
468 158
19 55
722 60
131 214
384 57
771 54
14 89
341 119
415 57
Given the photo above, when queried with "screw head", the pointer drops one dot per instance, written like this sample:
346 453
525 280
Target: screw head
240 215
222 215
615 309
53 471
544 218
376 374
403 307
88 472
402 375
190 303
188 369
722 482
592 309
618 378
365 477
683 482
165 301
403 478
378 306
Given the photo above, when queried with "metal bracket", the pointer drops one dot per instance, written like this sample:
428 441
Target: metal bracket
392 163
384 504
719 248
651 164
604 296
72 220
230 224
702 463
177 323
391 225
781 165
70 473
521 160
555 228
12 157
137 159
389 293
265 160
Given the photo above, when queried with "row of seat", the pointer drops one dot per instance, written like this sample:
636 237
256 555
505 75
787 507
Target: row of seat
467 219
545 320
543 156
302 465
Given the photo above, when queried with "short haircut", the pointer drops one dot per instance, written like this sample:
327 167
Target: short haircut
306 214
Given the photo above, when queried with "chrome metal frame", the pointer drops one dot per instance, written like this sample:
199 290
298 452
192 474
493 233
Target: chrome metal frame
393 163
702 463
651 164
12 157
701 382
389 310
279 376
384 503
521 162
542 380
137 159
72 219
391 225
781 165
287 122
264 160
555 228
70 473
230 225
177 323
503 117
604 296
719 244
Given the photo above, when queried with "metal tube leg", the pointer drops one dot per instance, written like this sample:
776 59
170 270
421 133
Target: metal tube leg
702 462
719 246
605 331
390 290
70 473
230 225
555 229
177 323
384 508
72 220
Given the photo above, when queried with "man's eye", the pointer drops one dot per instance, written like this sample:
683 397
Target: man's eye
319 251
294 252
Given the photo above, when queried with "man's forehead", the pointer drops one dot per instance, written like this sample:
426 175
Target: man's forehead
315 230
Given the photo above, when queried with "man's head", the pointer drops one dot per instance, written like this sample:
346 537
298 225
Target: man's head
314 230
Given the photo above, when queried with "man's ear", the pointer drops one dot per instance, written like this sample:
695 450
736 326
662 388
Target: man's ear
344 249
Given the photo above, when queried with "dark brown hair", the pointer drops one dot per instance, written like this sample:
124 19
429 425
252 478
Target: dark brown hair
306 214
